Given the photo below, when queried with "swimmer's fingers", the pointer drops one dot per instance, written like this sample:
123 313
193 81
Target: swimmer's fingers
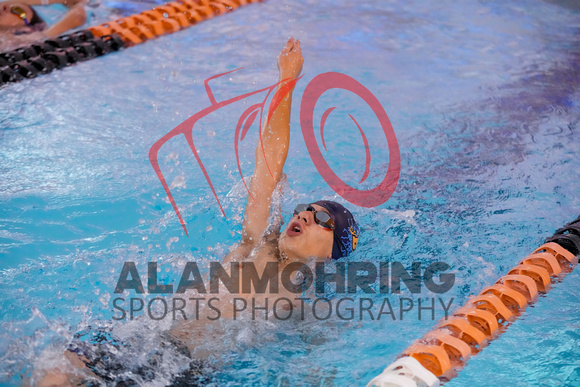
296 52
297 46
288 47
290 60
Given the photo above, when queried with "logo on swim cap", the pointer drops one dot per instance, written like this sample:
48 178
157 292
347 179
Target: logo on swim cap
354 237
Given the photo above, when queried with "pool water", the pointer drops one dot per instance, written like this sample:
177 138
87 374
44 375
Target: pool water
483 97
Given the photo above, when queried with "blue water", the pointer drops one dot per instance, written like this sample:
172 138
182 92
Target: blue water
483 97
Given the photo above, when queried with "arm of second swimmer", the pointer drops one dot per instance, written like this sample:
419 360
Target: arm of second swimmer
275 142
75 17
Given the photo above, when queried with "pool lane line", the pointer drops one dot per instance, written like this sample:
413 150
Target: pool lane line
66 50
166 19
42 58
441 353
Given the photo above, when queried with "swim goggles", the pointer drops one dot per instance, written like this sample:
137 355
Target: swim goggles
320 217
20 12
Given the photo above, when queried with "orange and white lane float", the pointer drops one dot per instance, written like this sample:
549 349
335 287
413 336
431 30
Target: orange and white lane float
442 352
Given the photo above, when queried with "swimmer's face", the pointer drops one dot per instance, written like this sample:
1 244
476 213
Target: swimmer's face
304 238
10 19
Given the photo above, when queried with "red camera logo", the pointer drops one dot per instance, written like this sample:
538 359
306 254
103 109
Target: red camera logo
314 90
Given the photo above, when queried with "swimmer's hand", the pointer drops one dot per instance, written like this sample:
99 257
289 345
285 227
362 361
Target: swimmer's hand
290 60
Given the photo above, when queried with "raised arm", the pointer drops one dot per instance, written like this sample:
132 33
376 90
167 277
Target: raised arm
275 140
74 18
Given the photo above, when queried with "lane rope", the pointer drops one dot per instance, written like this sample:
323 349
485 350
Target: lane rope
441 353
66 50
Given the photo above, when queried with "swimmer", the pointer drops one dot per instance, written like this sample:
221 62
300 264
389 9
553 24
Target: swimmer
318 231
20 23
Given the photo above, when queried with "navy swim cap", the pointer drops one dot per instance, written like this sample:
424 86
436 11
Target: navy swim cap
346 230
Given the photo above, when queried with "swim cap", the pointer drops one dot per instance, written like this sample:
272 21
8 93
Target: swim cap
346 230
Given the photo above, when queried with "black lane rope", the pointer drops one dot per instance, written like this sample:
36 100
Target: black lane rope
66 50
568 237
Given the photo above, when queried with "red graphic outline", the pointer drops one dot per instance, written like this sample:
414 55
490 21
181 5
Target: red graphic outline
363 198
313 91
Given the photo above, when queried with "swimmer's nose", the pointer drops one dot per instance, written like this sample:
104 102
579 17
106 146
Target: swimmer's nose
307 217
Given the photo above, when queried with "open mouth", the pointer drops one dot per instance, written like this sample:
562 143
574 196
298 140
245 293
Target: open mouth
294 229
